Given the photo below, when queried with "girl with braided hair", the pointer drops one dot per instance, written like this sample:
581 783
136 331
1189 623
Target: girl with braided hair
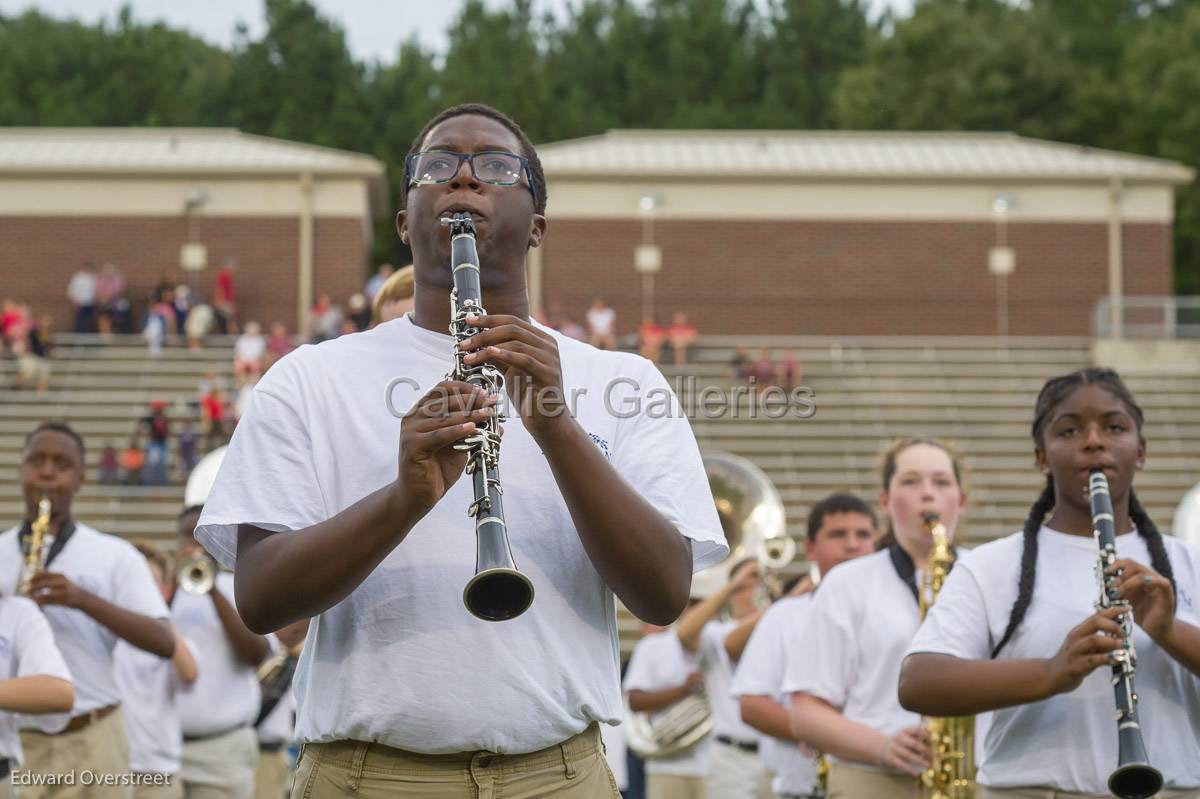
1015 631
861 620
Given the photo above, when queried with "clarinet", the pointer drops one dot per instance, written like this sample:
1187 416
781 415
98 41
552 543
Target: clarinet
498 591
1134 777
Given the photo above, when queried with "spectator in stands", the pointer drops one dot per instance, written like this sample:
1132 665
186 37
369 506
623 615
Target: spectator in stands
109 465
158 433
279 343
199 322
739 366
248 353
209 382
82 293
224 304
360 313
10 317
789 371
111 303
133 458
155 329
33 357
212 415
601 322
187 448
763 371
573 329
377 281
325 321
182 298
682 335
651 336
395 297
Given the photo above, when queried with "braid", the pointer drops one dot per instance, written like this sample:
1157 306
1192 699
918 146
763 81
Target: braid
1153 538
1029 552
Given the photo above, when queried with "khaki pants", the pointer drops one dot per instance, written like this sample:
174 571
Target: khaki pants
172 791
6 789
853 782
574 769
734 773
271 779
983 792
221 767
100 749
675 786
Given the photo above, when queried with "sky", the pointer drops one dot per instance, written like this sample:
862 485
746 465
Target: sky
374 28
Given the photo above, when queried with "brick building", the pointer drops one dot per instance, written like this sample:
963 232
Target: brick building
295 218
853 233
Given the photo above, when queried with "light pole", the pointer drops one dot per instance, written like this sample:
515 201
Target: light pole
1002 261
647 258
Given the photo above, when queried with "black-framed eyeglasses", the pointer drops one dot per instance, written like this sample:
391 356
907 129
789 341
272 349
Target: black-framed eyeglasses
496 167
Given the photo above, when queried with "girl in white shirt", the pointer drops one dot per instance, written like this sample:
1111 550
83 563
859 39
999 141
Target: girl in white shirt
33 677
1015 629
844 694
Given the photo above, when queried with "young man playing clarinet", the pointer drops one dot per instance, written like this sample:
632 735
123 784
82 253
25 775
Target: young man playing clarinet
333 508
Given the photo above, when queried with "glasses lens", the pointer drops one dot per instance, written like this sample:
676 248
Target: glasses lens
503 169
434 166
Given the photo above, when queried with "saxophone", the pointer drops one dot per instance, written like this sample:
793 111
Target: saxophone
951 774
39 544
498 591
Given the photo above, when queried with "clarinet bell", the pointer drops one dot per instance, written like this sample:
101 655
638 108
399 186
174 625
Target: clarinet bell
1135 781
498 594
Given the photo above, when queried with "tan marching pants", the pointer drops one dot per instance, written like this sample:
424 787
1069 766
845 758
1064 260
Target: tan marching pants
99 749
675 786
853 782
574 769
983 792
6 789
271 778
172 791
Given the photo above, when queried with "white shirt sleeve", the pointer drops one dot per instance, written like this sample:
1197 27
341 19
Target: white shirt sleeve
134 587
831 636
268 477
640 675
957 624
37 654
656 452
761 667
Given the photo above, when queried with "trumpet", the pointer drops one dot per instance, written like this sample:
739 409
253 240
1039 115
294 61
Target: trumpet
35 559
197 574
775 553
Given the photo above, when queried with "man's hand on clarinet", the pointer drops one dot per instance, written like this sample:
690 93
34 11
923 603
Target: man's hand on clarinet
528 359
428 462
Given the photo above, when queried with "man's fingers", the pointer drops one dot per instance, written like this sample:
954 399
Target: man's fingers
427 424
437 439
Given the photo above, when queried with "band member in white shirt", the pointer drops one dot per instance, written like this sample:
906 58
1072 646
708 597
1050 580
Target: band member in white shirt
149 689
862 619
1015 628
662 673
95 590
220 746
340 499
841 527
33 678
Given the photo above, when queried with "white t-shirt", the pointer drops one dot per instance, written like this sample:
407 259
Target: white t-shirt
27 648
82 288
718 680
111 569
659 661
320 436
149 689
225 694
1069 741
778 640
613 737
249 348
600 320
862 621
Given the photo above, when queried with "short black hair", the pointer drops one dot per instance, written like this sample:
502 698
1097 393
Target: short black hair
837 503
189 510
58 427
733 569
479 109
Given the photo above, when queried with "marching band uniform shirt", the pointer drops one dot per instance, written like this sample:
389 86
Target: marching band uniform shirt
778 639
324 432
225 695
27 648
150 687
718 677
659 661
111 569
861 623
1069 741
